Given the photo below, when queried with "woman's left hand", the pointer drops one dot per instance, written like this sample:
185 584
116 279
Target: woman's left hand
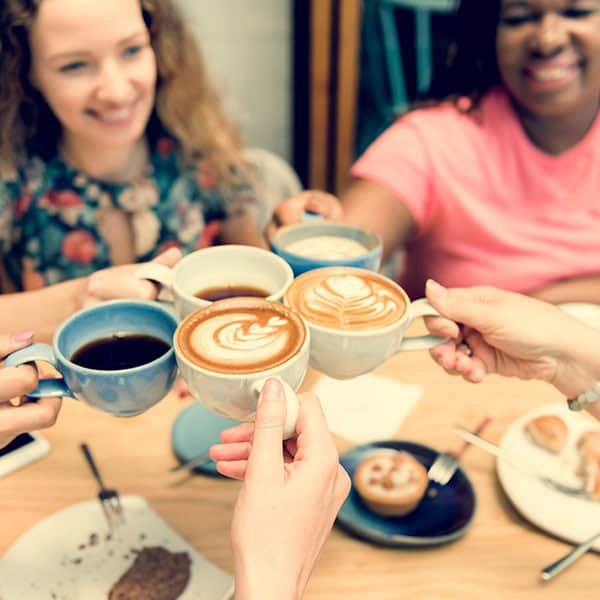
14 383
119 282
290 497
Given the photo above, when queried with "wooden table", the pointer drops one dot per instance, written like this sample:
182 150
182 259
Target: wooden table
499 558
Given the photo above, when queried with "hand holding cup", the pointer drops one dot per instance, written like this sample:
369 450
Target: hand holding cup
85 350
357 319
228 349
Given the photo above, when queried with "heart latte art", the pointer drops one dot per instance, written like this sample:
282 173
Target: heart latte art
346 298
241 336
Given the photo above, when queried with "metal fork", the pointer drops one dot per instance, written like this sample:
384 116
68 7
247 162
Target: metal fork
109 499
446 463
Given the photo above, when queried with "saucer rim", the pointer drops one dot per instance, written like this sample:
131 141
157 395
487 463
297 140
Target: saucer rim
376 536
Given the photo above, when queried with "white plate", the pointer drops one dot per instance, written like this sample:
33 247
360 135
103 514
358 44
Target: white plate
583 311
56 559
567 517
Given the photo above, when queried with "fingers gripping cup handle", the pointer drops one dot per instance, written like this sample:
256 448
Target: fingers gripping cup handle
157 273
291 405
47 388
421 308
308 217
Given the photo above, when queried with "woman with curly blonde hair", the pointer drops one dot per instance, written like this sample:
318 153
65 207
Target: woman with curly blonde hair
113 144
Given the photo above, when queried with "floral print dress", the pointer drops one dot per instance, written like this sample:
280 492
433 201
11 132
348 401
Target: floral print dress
49 225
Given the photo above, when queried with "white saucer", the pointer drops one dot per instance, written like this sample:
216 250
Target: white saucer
69 555
583 311
567 517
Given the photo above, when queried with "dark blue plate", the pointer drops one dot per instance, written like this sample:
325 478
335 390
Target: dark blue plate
195 430
444 514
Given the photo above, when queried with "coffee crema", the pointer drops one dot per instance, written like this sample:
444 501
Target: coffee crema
346 298
221 292
241 335
328 247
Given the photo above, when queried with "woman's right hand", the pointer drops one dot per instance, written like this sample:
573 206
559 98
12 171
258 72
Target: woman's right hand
512 335
14 383
291 210
119 282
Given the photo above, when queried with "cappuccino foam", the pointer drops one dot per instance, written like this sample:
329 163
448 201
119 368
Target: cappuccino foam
241 335
329 247
346 298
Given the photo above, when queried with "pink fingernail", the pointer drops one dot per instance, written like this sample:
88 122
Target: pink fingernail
22 337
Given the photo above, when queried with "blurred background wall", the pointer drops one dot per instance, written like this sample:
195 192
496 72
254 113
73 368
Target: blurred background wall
247 45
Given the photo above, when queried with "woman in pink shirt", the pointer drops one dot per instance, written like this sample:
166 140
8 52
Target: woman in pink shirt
498 181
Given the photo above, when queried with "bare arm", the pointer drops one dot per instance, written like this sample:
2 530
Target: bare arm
365 204
41 311
242 228
576 289
373 206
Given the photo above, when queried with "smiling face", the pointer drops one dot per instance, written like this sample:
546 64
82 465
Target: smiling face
93 63
548 54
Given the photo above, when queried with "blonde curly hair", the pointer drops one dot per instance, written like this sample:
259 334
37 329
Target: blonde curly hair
187 106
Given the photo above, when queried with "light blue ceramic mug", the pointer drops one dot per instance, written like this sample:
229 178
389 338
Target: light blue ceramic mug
316 243
121 392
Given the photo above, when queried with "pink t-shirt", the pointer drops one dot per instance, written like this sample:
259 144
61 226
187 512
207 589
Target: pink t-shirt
490 207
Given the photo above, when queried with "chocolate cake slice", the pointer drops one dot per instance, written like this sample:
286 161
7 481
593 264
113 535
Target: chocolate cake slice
156 574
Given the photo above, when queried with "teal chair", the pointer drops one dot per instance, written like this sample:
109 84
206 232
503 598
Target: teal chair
383 90
423 10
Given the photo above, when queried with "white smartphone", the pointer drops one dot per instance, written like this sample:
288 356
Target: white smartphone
25 448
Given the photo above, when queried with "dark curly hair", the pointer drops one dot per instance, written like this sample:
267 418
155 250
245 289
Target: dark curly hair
187 106
470 67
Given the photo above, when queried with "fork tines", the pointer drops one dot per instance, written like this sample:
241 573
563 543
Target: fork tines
442 469
111 506
109 499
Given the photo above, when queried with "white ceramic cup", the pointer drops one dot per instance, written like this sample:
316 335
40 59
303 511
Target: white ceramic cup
235 395
219 266
345 353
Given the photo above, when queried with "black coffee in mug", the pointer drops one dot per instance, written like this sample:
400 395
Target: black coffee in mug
221 292
120 351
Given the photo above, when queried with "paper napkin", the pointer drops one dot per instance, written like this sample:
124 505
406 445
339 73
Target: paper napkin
367 408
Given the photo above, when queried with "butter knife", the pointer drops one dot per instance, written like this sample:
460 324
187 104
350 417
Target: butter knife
191 464
517 462
567 560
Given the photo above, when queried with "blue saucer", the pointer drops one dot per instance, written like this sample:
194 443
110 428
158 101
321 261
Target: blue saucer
195 430
444 514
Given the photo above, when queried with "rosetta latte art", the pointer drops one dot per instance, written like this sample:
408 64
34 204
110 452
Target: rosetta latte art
243 340
347 301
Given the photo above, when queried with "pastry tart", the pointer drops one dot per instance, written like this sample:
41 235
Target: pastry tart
589 450
391 483
549 432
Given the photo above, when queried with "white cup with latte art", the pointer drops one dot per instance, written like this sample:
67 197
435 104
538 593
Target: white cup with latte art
226 351
357 319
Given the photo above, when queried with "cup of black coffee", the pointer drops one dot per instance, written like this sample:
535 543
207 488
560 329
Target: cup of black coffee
116 357
218 273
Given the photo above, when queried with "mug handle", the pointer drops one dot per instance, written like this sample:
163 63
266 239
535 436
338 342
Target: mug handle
308 217
292 406
421 308
47 388
160 274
